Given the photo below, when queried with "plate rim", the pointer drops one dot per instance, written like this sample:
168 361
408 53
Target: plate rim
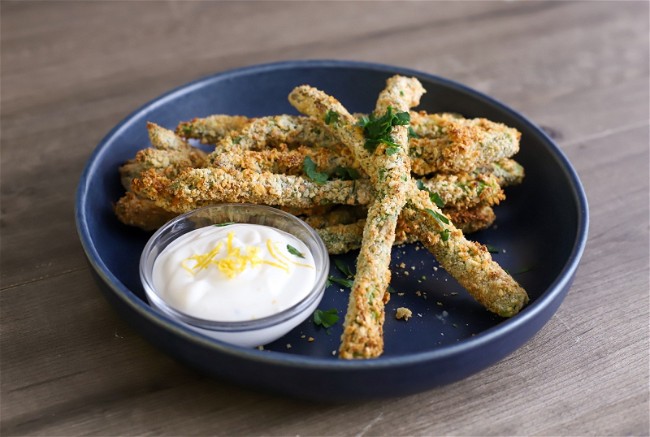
528 314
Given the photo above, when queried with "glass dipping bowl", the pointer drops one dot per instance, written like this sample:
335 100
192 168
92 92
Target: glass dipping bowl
248 333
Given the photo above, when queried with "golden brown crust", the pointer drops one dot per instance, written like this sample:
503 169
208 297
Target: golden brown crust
142 213
448 143
195 187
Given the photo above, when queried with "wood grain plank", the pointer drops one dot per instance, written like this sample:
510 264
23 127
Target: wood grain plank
72 70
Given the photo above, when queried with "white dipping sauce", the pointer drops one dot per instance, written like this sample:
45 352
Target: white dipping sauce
235 272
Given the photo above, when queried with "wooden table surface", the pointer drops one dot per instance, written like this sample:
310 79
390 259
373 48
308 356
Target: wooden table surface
72 70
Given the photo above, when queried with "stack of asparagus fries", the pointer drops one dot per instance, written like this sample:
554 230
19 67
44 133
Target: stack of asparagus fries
364 182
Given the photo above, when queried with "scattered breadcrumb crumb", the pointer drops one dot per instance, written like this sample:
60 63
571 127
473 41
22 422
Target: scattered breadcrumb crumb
310 339
288 345
403 313
260 348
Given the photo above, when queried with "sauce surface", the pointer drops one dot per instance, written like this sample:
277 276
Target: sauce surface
234 272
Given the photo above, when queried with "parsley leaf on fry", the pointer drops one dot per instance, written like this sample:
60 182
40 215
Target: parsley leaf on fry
377 129
309 166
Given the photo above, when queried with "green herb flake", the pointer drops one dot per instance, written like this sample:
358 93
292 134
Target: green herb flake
391 150
377 129
237 140
332 117
412 133
343 268
402 119
445 234
219 225
435 198
309 166
326 318
341 281
441 218
295 252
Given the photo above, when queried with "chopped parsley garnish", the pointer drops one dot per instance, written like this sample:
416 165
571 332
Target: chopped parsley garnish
445 234
377 129
295 252
341 281
326 318
435 197
441 218
331 117
343 268
391 150
237 140
219 225
412 133
309 166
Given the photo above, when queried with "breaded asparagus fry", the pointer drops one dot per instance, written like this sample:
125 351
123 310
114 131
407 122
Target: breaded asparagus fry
168 162
470 263
282 160
180 189
142 213
256 133
197 187
465 190
507 171
449 143
472 219
390 172
169 154
211 129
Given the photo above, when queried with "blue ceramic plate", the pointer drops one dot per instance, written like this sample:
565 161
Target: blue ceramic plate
540 236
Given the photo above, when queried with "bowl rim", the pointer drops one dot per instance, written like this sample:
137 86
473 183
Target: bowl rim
528 314
239 326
